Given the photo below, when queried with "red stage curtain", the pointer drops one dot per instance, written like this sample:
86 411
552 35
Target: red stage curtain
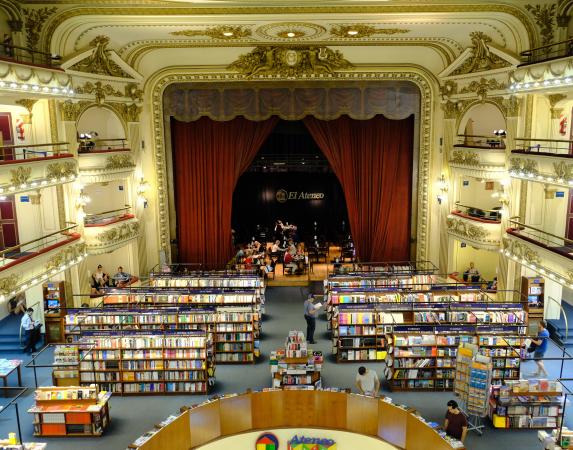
208 158
373 161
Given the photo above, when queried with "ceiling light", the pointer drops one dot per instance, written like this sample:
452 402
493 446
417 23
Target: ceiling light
227 33
352 32
291 34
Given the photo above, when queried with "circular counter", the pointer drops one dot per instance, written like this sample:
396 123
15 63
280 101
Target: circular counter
259 412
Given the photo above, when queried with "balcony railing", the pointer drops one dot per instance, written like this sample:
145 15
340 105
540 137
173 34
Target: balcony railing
534 146
479 141
108 217
481 215
27 250
557 244
547 52
25 55
11 153
102 145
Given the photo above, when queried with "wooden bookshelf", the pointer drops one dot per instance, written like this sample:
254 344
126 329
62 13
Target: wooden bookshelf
149 363
66 366
54 297
70 411
237 335
533 291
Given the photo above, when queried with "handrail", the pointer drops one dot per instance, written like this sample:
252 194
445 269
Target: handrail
475 207
87 145
564 316
552 146
14 402
110 211
27 54
51 144
547 52
10 249
544 140
519 224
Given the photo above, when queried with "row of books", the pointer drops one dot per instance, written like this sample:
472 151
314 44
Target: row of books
337 298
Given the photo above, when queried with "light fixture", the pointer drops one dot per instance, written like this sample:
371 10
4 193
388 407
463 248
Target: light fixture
83 199
352 32
442 188
227 33
290 34
500 133
142 188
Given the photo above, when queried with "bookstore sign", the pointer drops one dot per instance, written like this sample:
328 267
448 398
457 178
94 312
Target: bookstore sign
283 195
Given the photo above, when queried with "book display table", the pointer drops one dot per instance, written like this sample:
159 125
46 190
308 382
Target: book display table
7 367
296 366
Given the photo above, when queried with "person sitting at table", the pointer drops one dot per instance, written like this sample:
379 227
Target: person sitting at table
123 279
268 266
98 281
289 263
276 248
472 274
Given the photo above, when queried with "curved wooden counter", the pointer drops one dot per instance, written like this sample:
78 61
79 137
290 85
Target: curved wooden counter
291 409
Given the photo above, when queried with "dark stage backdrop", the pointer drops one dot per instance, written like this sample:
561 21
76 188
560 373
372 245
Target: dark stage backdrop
294 197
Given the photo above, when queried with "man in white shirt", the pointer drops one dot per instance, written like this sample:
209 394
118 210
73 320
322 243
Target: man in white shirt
367 382
27 324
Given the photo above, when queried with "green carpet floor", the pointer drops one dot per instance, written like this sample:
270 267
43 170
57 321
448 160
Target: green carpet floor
132 416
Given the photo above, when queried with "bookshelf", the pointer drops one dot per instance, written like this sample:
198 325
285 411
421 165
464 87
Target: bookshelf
70 411
296 366
527 404
149 362
54 296
66 366
204 280
533 289
473 379
237 335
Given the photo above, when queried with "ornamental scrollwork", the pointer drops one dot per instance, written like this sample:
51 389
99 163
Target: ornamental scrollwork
65 256
226 32
562 170
100 90
20 175
483 86
9 283
71 111
100 62
129 113
527 166
118 234
34 20
467 230
61 169
544 16
133 92
521 251
465 158
361 30
481 58
115 162
290 62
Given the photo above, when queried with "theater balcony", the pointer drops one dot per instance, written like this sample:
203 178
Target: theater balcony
547 161
105 160
25 70
109 230
478 156
30 167
546 253
549 67
478 227
33 262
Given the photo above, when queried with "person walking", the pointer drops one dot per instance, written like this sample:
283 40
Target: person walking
541 345
310 310
27 324
456 424
367 382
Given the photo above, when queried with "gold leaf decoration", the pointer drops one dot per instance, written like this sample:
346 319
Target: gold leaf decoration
359 31
563 170
27 103
65 256
544 16
20 175
34 20
465 229
293 62
526 166
119 233
71 110
465 158
9 283
483 86
114 162
219 32
129 113
100 62
132 91
61 169
99 89
481 58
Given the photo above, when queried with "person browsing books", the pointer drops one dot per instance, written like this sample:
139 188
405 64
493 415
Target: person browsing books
28 326
310 310
541 344
456 424
367 381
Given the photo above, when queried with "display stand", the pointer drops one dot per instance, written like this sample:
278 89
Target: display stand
472 383
296 366
66 365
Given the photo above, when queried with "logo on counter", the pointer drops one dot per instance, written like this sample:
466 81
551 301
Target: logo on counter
306 443
267 441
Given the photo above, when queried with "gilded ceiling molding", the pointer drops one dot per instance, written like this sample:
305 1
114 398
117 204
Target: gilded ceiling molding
34 20
290 31
61 169
99 62
544 18
133 92
71 111
295 62
225 32
27 103
465 158
423 81
427 8
127 113
9 283
481 58
359 31
116 162
99 89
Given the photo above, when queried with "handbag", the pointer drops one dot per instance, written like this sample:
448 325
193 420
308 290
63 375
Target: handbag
532 347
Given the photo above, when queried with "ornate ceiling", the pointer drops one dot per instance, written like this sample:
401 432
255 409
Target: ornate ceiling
151 35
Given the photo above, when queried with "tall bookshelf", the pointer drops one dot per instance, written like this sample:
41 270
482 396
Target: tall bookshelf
533 289
148 362
54 296
66 364
70 411
236 335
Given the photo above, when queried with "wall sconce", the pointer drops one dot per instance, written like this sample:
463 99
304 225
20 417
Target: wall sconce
442 188
142 188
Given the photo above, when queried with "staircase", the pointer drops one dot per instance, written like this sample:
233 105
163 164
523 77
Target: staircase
10 334
558 327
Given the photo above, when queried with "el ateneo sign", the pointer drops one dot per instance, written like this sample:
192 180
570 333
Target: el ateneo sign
283 196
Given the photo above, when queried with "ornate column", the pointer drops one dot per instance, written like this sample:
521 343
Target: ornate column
451 112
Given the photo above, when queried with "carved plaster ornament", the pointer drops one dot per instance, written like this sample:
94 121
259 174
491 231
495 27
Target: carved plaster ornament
114 162
290 62
563 170
34 20
359 31
9 283
100 62
27 103
129 113
523 165
71 110
464 157
483 86
65 256
119 234
132 91
465 229
481 58
226 32
544 16
20 175
99 89
61 169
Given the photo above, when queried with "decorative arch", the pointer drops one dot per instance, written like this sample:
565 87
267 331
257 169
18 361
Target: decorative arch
467 107
107 107
427 85
13 10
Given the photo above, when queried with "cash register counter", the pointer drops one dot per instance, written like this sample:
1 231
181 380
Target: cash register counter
269 410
